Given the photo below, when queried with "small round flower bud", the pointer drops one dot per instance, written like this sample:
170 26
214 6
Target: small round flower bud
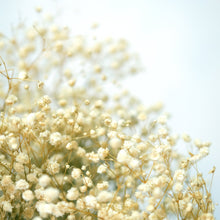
28 195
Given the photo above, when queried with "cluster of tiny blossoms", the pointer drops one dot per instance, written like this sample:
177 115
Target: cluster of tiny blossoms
70 149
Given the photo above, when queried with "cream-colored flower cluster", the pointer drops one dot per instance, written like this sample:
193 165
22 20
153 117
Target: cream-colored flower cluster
74 146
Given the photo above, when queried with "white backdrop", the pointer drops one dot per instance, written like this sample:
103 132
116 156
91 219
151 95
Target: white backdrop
179 43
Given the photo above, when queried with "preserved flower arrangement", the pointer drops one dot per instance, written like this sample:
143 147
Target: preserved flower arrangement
74 145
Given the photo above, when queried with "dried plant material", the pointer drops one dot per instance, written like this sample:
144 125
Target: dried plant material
72 149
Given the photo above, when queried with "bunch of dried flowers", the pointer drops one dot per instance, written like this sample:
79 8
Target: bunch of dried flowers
73 145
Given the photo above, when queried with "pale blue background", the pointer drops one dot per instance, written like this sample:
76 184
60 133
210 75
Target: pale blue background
179 43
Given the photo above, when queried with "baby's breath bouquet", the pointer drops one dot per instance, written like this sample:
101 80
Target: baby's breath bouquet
74 145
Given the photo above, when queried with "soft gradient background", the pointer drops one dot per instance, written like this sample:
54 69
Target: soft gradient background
179 43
